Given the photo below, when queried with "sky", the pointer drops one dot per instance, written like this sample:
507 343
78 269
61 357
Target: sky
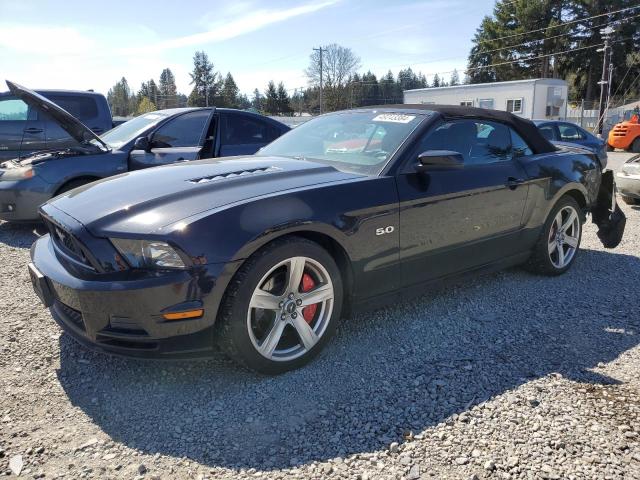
79 44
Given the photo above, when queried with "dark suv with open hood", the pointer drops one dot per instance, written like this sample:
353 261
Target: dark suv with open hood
25 130
149 140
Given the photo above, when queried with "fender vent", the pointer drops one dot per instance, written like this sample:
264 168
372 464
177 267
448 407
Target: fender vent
239 173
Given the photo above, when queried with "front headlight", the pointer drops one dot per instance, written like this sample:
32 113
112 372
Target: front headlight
16 173
148 253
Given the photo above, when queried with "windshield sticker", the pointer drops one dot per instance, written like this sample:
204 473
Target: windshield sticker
394 118
152 116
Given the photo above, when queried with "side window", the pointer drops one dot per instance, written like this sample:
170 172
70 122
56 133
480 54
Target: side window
479 142
81 107
520 147
13 109
184 131
569 132
492 144
485 103
547 132
238 129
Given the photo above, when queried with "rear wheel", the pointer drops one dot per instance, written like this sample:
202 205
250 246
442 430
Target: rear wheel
635 146
630 200
282 306
559 241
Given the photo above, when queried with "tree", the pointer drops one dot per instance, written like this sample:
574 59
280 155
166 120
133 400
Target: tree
167 91
145 106
205 80
338 66
258 100
283 102
455 78
271 99
436 81
230 92
120 99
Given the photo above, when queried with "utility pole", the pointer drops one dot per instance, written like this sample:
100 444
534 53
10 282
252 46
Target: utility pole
604 81
320 51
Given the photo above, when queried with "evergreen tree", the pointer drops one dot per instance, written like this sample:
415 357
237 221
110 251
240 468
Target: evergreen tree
120 99
206 82
284 102
436 81
167 91
230 92
257 101
271 99
455 78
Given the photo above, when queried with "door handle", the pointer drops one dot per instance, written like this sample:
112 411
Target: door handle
513 182
33 130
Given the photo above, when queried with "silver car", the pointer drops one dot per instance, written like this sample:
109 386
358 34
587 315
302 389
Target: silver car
628 181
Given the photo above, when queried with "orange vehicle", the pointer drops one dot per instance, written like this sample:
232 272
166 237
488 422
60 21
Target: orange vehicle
626 135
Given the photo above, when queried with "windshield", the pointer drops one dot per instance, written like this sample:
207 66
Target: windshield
357 141
116 137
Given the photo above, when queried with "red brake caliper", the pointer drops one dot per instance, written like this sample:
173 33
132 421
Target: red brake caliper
307 285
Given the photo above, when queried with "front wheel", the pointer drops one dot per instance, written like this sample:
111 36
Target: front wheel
559 241
282 306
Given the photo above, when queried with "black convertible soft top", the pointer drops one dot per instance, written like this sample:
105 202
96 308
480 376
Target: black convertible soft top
525 128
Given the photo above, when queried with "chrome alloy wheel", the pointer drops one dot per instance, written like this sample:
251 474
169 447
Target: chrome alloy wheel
290 309
564 237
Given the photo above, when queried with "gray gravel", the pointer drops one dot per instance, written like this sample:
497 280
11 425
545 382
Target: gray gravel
504 376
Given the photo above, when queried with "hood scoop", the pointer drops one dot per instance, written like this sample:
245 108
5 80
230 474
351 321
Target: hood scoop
238 173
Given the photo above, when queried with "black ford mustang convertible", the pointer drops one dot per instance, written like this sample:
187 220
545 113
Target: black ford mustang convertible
264 254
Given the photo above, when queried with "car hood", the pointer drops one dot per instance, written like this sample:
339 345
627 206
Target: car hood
70 124
145 201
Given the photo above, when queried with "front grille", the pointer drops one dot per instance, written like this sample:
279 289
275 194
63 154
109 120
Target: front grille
72 315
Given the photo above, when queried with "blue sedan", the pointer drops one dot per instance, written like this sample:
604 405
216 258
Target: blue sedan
560 132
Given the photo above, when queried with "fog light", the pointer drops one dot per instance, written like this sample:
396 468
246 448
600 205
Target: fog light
184 315
8 207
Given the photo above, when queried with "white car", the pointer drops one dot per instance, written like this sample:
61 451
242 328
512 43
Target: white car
628 181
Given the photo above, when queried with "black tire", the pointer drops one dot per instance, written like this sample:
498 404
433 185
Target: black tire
635 146
233 331
630 200
541 260
609 148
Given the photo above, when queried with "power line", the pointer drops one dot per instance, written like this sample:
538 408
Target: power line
547 38
577 20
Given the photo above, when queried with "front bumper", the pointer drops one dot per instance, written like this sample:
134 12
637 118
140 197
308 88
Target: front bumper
19 200
124 316
628 185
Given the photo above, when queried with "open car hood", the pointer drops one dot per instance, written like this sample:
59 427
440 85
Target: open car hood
70 124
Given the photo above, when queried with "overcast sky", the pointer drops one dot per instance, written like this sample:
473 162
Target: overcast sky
80 44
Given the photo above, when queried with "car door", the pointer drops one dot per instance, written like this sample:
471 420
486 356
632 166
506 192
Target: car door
459 218
244 134
21 131
179 139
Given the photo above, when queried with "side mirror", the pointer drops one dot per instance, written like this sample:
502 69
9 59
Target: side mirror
439 158
142 143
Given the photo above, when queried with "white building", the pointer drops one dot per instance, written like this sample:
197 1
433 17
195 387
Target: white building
541 98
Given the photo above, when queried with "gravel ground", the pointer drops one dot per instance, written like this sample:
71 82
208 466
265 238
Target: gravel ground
504 376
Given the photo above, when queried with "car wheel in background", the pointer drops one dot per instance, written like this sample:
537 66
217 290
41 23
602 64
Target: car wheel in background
635 146
281 307
559 241
630 200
